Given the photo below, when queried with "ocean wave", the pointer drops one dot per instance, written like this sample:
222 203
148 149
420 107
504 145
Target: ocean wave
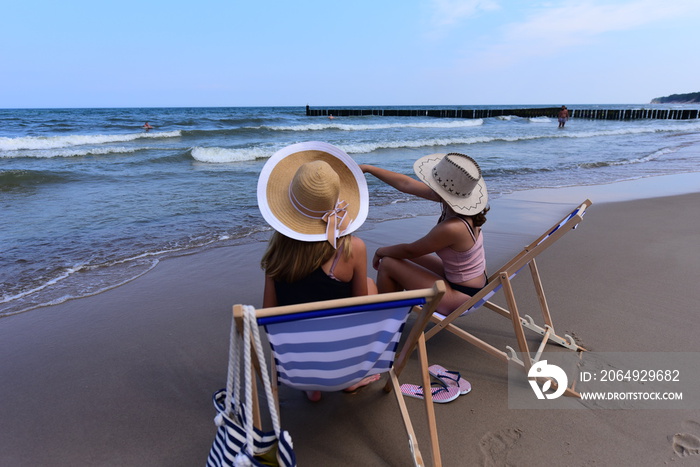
227 155
46 154
56 142
84 279
11 179
359 148
368 147
639 160
519 171
377 126
54 291
689 127
539 120
218 155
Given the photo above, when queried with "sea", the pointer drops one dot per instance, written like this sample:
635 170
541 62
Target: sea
89 200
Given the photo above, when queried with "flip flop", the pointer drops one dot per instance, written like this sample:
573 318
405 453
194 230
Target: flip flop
441 393
451 379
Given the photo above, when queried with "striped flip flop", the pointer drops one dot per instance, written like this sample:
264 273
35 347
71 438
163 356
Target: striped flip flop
451 379
441 393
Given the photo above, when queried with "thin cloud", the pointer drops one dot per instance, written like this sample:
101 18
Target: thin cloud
549 31
447 13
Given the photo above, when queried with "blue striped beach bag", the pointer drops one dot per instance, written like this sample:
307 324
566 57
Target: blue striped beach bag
238 443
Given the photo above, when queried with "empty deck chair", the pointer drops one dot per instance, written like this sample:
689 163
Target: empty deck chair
501 280
331 345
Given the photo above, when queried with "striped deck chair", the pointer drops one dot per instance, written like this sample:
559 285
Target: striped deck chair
501 280
331 345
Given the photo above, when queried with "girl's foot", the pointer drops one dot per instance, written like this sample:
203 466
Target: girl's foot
364 382
313 396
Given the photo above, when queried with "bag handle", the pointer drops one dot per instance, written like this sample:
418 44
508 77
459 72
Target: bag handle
240 349
233 380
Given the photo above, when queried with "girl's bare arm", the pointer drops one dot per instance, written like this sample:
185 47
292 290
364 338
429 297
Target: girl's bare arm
401 182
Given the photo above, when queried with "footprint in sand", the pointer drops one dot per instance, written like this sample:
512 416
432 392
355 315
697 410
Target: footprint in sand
496 446
687 444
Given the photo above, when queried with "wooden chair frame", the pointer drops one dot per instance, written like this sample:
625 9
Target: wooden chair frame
502 280
415 339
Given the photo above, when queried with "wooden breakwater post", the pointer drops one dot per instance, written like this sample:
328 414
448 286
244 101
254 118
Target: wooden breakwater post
550 112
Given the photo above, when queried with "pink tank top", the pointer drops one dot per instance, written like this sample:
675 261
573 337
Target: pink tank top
461 266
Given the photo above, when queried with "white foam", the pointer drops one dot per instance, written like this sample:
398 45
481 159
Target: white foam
690 126
69 152
55 142
653 156
539 120
369 147
218 155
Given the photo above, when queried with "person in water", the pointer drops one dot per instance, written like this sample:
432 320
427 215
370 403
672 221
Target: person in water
563 116
147 126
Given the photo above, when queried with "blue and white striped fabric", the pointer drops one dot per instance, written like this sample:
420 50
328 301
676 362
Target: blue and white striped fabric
564 221
230 440
331 353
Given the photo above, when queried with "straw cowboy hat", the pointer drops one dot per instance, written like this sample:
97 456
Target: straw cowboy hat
457 179
313 192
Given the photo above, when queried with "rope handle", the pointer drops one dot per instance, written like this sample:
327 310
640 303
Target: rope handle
240 355
233 380
248 409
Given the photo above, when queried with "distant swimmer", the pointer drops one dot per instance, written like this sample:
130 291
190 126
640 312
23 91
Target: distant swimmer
147 126
563 116
331 117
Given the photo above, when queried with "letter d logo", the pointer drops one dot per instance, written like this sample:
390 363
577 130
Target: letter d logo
542 370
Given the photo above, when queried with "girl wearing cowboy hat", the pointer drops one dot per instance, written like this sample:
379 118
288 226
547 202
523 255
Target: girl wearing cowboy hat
455 181
314 195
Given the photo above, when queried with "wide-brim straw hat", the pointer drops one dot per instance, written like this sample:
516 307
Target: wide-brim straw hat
305 182
457 179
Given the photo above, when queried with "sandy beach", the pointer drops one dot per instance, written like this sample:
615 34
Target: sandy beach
126 377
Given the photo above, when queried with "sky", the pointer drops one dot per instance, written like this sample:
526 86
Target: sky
224 53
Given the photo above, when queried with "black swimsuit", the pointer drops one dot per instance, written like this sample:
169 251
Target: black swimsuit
315 287
471 291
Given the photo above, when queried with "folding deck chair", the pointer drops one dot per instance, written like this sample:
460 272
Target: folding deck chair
501 280
331 345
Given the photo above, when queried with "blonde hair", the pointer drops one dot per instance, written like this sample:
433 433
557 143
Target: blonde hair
289 260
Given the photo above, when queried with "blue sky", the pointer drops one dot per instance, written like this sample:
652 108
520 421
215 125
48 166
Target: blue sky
325 53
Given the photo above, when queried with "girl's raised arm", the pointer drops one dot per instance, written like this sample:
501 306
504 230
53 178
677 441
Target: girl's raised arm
401 182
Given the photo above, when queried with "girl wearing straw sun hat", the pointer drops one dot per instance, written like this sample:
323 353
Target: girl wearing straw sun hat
314 195
453 250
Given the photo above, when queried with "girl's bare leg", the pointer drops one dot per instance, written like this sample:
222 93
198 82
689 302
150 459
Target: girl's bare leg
395 275
432 263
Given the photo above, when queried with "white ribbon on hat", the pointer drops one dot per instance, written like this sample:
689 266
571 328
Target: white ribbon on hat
335 218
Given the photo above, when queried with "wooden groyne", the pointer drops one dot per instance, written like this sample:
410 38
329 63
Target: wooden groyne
551 112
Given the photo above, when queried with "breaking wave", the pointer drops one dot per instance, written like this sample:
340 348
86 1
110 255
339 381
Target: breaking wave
69 152
56 142
217 155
